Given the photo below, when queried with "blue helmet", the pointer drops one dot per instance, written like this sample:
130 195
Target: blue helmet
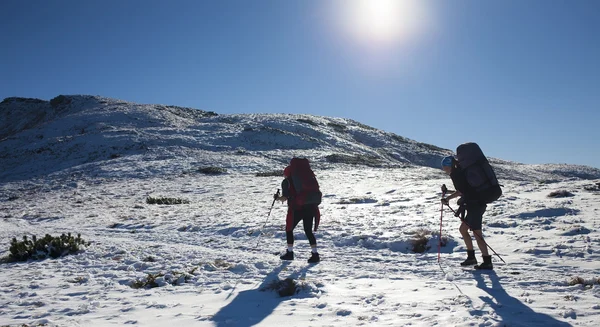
447 161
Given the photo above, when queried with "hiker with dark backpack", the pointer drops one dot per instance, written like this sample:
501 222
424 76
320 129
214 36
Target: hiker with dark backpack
301 191
477 186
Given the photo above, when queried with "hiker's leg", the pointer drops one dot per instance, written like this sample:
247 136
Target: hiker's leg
289 234
474 218
309 213
464 231
481 243
307 221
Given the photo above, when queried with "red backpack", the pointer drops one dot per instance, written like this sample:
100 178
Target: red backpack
304 186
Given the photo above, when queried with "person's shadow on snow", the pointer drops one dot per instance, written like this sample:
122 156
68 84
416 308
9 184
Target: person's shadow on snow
250 307
512 311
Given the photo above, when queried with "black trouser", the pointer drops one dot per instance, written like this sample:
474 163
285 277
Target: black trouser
306 214
475 211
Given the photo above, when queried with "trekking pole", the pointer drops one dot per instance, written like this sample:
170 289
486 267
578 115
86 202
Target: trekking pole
272 204
477 236
275 196
444 189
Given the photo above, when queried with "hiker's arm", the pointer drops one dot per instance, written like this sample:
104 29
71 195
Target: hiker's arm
285 190
453 195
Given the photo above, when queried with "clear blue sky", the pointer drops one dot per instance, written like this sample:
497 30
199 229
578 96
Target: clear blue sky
520 77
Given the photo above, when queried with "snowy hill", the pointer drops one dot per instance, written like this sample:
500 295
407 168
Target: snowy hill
90 165
89 134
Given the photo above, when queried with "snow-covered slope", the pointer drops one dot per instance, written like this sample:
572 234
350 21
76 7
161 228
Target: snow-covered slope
83 164
88 134
217 255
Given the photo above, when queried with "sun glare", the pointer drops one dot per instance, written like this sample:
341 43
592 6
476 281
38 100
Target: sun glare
381 22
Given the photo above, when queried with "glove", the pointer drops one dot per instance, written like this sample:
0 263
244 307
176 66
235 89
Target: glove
461 202
445 201
275 196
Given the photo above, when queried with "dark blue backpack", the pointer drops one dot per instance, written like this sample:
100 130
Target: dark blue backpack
478 172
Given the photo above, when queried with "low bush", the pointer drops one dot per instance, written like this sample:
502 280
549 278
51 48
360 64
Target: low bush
593 187
363 200
221 263
337 127
159 279
48 246
354 160
59 100
212 170
164 200
308 121
361 125
399 138
420 241
273 173
431 147
23 100
286 287
148 282
582 281
560 194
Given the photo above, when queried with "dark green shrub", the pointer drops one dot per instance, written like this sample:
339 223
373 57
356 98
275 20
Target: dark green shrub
593 187
175 278
432 147
273 173
399 138
57 101
49 246
354 160
357 201
221 263
212 170
361 125
148 282
308 121
560 194
165 200
23 100
337 127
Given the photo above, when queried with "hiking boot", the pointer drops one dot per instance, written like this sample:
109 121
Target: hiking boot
487 263
314 258
471 260
289 255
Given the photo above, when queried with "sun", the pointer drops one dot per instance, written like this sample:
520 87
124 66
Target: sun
381 22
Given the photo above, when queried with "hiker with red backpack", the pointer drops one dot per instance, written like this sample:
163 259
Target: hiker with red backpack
476 185
301 191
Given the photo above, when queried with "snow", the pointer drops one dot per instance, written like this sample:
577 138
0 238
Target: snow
217 255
